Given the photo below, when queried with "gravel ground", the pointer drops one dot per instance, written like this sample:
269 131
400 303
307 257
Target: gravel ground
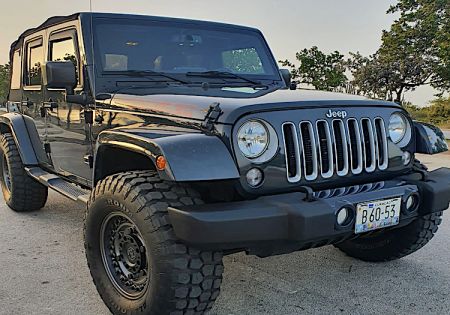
44 272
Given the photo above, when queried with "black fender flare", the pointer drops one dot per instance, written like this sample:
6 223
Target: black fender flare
190 157
429 139
26 137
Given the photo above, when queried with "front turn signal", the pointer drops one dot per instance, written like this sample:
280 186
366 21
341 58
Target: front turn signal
161 163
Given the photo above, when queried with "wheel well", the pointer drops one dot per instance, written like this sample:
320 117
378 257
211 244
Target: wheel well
4 128
111 160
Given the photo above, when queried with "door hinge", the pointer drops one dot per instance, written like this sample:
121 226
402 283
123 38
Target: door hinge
89 160
89 116
211 116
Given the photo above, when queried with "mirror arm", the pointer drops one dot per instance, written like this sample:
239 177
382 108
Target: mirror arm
81 99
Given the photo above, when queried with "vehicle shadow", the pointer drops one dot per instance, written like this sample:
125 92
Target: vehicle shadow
326 281
44 255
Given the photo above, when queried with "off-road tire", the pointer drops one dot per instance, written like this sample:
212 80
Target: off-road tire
24 193
393 244
183 279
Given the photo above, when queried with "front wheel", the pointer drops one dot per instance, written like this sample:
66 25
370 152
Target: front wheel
137 263
393 244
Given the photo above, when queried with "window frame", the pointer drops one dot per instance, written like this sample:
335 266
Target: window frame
18 72
61 35
29 44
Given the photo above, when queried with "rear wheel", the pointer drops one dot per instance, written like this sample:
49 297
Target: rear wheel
394 244
21 192
137 263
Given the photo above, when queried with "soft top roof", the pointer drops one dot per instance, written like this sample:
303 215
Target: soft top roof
49 22
61 19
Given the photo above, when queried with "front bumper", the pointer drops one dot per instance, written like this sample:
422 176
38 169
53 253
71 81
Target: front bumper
289 218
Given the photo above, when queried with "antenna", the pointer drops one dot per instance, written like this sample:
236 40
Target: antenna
92 53
90 113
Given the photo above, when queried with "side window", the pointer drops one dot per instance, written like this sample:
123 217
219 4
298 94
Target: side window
245 60
35 58
16 71
64 50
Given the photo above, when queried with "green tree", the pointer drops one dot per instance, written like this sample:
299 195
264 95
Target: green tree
388 73
438 112
424 29
415 51
4 82
324 72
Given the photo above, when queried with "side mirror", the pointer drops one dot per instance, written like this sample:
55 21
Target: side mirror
286 75
60 75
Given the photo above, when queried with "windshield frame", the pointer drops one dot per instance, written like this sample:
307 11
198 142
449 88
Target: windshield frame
161 22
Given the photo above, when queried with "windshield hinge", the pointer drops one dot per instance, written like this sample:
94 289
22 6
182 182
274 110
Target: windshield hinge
211 116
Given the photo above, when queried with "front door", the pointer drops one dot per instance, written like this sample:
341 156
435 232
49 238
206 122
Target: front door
67 131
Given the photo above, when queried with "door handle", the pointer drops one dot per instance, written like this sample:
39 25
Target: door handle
50 105
27 103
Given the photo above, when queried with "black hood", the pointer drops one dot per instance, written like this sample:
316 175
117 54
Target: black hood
195 107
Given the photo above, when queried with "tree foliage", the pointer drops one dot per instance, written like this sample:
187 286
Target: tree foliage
4 82
415 51
424 25
323 71
437 113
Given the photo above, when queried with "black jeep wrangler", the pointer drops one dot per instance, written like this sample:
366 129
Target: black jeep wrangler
185 143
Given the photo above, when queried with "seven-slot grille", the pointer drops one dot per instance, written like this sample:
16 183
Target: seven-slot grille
337 147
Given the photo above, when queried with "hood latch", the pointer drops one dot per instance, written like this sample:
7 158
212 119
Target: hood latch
211 116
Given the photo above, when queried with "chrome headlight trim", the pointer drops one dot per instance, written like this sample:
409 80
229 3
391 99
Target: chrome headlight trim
399 129
271 146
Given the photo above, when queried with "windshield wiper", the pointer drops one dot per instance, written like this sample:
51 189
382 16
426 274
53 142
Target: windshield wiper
146 73
222 75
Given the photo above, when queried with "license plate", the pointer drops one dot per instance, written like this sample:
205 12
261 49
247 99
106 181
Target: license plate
377 214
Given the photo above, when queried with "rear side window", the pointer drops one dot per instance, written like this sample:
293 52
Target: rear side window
64 49
35 58
16 71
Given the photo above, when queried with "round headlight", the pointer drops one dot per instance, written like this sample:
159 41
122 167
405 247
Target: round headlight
253 139
398 125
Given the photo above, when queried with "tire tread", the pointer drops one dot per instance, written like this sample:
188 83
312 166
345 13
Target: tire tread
196 274
27 194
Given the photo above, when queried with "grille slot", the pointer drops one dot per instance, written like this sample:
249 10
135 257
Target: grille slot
324 149
382 147
308 150
368 144
354 138
291 151
340 147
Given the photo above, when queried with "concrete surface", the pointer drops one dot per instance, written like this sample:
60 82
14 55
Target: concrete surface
446 133
43 271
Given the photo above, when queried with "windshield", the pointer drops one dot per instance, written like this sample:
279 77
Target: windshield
181 48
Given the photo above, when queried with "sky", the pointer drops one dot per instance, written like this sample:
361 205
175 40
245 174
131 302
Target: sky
288 25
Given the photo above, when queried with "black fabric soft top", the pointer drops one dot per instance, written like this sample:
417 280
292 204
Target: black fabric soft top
49 22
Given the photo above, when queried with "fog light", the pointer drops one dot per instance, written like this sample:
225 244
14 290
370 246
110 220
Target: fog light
343 215
406 158
254 177
411 202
